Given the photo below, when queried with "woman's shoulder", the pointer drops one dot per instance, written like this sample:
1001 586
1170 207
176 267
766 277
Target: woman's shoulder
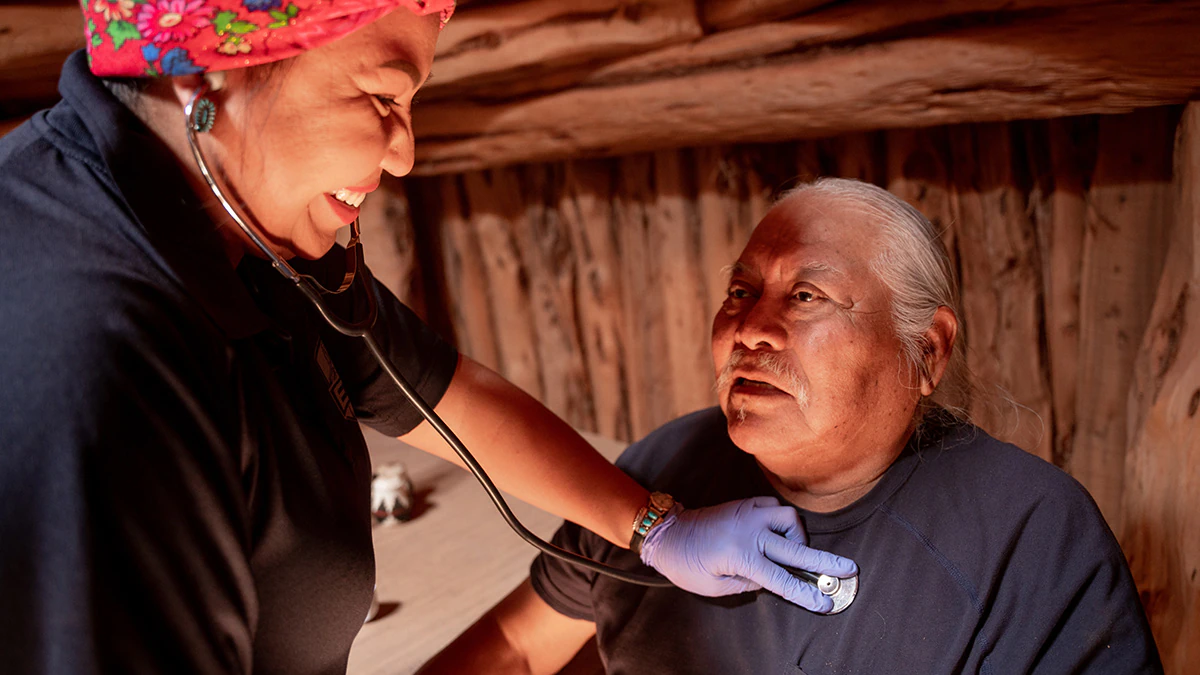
67 316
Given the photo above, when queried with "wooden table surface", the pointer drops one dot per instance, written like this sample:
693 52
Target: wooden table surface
437 573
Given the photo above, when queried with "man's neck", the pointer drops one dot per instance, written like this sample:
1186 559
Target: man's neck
839 488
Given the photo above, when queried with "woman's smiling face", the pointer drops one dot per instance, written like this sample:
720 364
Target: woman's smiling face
302 144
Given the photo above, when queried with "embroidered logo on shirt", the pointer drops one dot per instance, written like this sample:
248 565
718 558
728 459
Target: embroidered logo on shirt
336 390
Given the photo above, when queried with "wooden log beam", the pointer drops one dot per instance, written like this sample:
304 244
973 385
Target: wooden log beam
858 21
1161 531
725 14
499 44
1111 58
842 25
35 39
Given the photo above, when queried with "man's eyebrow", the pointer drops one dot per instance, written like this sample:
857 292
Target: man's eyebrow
817 268
737 268
807 269
405 66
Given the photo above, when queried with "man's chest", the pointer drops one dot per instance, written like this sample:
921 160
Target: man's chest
910 616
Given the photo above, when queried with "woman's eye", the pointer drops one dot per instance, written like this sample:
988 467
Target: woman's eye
384 104
806 296
738 293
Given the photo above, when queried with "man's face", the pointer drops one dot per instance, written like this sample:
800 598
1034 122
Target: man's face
808 364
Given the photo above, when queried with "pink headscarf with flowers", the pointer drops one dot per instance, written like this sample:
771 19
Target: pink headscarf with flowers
153 38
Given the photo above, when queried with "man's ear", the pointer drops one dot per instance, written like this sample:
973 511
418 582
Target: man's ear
939 345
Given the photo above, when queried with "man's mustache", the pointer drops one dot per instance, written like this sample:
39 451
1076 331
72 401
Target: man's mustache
771 362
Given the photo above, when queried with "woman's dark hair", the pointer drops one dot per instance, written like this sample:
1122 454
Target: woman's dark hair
129 90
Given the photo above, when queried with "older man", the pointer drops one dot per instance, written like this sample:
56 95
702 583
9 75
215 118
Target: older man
837 355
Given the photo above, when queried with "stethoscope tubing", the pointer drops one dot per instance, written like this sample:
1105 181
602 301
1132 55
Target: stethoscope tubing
362 329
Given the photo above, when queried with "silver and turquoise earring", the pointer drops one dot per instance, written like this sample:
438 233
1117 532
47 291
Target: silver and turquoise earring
204 114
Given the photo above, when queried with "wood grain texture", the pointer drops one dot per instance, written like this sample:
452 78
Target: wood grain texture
744 42
548 268
1111 58
496 213
722 14
683 285
35 39
470 305
1161 515
648 390
586 208
389 246
1129 210
507 43
1001 272
1062 159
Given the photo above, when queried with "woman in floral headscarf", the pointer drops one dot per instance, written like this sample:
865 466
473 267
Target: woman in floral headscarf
183 481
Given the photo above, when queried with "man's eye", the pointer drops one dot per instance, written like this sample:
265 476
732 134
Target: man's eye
805 296
738 293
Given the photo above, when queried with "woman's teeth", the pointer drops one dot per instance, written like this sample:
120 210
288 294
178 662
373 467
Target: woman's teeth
354 199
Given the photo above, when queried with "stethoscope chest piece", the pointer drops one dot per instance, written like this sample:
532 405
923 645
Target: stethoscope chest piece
841 591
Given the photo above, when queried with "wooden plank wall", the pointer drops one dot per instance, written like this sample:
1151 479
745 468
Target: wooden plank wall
592 285
1161 516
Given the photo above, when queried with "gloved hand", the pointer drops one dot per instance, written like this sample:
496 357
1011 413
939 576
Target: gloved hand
735 547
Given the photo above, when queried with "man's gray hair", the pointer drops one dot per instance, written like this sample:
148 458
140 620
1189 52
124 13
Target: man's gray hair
914 266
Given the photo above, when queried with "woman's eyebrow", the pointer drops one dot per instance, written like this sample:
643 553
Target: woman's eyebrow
405 66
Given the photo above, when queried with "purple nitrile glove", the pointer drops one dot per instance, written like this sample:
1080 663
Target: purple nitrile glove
739 546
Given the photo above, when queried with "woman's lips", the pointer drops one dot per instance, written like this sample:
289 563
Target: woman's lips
346 213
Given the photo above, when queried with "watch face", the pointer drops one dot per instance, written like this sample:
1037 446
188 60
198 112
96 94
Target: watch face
661 501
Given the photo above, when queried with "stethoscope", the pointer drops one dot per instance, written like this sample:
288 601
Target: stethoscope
842 591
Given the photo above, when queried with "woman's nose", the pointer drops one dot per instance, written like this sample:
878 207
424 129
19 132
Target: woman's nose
400 155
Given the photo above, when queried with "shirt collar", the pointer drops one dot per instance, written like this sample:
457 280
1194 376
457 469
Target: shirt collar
156 189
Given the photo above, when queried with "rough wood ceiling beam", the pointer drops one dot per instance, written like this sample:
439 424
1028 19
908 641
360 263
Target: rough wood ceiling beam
502 43
726 14
1113 57
35 39
849 22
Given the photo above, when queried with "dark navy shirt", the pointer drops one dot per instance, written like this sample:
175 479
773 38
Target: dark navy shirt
974 557
184 486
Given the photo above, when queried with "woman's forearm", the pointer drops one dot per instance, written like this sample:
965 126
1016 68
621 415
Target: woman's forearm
531 453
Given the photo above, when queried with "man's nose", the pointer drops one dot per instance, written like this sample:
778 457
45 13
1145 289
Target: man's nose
762 326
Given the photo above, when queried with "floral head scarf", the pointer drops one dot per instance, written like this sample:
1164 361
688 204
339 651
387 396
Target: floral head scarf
153 38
